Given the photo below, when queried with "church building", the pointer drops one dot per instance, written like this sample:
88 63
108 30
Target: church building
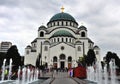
60 43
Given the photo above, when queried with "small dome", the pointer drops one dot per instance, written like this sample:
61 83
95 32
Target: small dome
82 27
42 27
96 47
62 33
28 47
62 16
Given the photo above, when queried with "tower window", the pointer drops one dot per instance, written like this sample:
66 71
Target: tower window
79 48
97 52
46 48
41 34
83 34
27 52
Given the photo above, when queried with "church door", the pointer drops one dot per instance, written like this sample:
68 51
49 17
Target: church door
62 65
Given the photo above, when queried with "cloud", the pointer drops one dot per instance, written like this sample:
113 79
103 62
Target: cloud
20 19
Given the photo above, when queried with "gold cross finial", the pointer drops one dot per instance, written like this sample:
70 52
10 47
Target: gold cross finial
62 9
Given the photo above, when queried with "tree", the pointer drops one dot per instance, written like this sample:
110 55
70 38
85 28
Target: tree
82 61
13 54
91 58
110 56
2 57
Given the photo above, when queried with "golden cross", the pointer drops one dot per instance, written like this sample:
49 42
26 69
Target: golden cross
62 9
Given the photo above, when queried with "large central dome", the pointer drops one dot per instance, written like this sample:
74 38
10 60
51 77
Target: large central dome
62 16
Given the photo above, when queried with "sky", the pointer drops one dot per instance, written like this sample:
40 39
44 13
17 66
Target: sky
20 19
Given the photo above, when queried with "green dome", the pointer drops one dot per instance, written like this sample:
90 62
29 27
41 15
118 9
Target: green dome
62 33
62 16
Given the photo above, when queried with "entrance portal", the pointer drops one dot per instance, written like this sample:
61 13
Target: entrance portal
62 65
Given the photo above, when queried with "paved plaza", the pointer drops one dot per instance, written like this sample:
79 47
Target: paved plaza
63 78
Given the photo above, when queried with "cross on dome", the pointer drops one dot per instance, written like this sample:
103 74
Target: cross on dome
62 9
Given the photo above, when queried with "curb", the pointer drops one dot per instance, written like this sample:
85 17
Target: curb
52 81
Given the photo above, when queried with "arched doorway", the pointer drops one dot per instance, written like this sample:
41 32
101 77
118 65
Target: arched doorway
62 61
69 62
55 62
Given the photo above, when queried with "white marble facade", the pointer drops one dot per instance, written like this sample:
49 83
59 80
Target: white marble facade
60 43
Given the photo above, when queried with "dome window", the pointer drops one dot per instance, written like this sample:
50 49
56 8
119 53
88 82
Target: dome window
66 39
83 34
57 23
41 34
62 40
62 23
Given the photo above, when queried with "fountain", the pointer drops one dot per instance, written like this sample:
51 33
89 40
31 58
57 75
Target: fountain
97 75
113 74
3 70
10 69
28 75
25 75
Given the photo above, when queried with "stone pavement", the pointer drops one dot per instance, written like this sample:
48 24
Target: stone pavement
63 78
59 78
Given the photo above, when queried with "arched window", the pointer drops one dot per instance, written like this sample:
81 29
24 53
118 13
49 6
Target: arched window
62 40
97 52
27 52
66 39
79 48
57 23
66 23
70 40
58 40
46 48
54 59
41 34
54 40
62 23
70 23
69 59
62 57
83 34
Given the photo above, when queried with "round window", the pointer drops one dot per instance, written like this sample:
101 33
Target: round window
62 48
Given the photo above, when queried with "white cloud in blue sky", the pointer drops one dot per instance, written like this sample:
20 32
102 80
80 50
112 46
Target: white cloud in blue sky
20 19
